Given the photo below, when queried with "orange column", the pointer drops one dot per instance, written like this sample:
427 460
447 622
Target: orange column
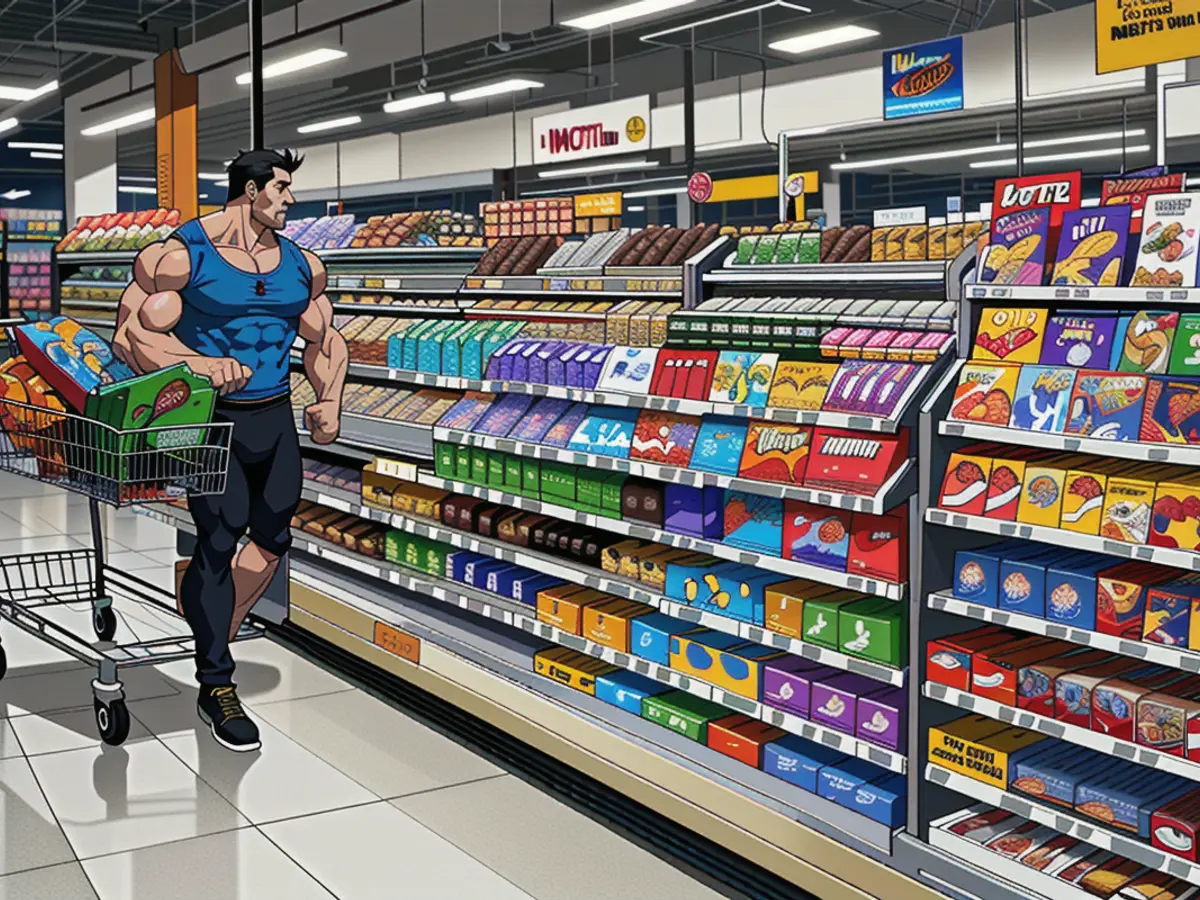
175 93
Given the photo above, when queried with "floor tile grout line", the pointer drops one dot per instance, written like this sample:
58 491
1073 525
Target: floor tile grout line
46 799
255 704
83 861
442 787
299 865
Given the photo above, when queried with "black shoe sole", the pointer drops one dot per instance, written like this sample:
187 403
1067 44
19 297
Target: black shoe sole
236 748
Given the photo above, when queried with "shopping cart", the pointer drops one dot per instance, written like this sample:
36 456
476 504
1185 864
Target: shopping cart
117 468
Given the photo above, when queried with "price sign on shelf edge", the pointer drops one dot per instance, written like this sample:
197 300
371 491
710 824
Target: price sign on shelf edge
700 187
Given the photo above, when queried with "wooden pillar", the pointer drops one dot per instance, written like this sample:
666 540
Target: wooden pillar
175 96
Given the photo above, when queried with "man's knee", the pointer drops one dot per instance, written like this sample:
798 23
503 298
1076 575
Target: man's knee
272 546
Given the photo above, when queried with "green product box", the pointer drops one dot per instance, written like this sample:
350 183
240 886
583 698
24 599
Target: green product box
479 466
412 338
495 470
429 346
512 474
874 629
1185 358
494 340
683 712
531 477
443 461
462 463
589 488
558 482
414 552
610 495
821 620
452 347
395 546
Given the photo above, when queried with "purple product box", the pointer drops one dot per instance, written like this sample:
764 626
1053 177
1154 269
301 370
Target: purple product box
560 432
1078 339
594 367
504 415
577 363
556 365
787 683
520 366
540 362
798 761
696 512
883 719
539 420
504 360
835 700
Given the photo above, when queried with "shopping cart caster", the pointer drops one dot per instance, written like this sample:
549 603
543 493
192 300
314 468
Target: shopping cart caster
104 621
112 721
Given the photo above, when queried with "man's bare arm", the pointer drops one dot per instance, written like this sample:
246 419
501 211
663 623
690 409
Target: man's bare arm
325 358
150 309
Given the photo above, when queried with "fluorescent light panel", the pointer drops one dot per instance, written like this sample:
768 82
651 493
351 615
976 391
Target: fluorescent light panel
135 189
819 40
692 26
141 117
8 124
213 176
20 94
592 170
14 194
656 192
33 145
419 101
44 154
508 86
623 13
144 178
329 124
635 209
297 63
1060 157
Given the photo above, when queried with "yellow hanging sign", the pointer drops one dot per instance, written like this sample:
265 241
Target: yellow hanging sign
1135 33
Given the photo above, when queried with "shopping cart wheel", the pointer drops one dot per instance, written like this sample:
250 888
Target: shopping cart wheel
3 662
112 720
105 622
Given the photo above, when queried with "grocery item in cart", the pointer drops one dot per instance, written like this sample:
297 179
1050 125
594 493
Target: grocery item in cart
174 396
31 432
73 359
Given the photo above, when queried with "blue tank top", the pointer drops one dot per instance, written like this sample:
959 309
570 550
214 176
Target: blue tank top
251 317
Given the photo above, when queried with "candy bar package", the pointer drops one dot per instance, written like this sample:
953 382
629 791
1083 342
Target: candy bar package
872 388
628 370
742 738
719 445
1171 413
1079 340
665 438
467 412
534 425
607 431
1106 406
775 452
1010 335
1146 339
964 487
503 415
743 377
801 385
1016 251
754 522
1041 398
564 428
985 393
1091 247
685 374
853 462
816 535
1166 254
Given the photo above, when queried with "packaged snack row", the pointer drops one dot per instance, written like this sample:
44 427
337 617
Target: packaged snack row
120 231
1123 500
32 224
321 233
423 228
549 216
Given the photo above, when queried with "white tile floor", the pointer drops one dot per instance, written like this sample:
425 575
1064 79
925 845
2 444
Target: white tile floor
349 797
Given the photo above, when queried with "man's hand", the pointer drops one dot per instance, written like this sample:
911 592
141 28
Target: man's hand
324 421
227 375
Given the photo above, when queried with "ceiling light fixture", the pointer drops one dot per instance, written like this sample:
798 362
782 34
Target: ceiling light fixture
33 145
296 63
1060 157
692 26
819 40
20 94
14 194
623 13
129 120
329 124
213 176
44 154
8 124
418 101
135 189
656 192
1086 138
508 86
592 170
147 178
635 209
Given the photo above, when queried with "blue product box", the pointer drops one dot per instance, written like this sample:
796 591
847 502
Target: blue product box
798 761
525 588
684 579
395 351
556 365
719 445
1127 803
470 359
540 363
502 582
1021 587
696 512
977 572
650 636
1054 778
429 348
476 573
412 336
457 562
520 366
1071 590
739 595
756 522
1169 612
882 800
452 348
839 781
607 431
627 690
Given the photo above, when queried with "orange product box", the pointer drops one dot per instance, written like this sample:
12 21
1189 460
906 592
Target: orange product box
1121 595
784 604
1128 505
1007 479
1083 500
948 660
1042 492
994 671
964 488
564 609
981 748
742 738
608 623
1176 519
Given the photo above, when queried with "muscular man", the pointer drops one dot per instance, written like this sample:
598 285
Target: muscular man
227 295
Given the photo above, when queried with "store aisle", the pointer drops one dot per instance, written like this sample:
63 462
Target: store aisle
348 798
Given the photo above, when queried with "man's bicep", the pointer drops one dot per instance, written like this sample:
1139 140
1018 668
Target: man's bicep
317 321
160 312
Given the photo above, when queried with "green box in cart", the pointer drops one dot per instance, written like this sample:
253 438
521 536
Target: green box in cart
610 495
558 482
874 629
683 713
512 473
820 620
479 466
495 472
443 461
462 463
531 477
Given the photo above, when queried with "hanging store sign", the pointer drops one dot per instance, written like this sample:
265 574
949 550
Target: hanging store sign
923 79
700 187
1135 33
606 129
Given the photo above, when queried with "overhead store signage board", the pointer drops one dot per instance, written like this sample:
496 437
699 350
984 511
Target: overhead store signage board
606 129
590 205
908 215
923 79
1131 34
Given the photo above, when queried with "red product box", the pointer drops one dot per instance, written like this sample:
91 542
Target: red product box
1073 690
879 545
1174 827
1121 594
948 660
964 488
686 374
1115 701
994 672
742 738
1036 681
854 462
1170 724
1006 480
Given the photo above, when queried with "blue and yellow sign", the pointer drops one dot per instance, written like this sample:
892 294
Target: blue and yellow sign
923 79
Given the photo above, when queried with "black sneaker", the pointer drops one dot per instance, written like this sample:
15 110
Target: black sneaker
220 708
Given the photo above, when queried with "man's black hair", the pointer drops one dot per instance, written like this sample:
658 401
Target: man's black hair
259 166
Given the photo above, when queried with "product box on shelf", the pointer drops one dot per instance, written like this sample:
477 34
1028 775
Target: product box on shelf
1128 502
882 718
799 761
820 618
572 669
1174 826
995 672
834 699
1052 774
723 660
1079 339
1169 611
1073 690
852 462
610 623
985 393
977 575
981 748
664 438
563 607
1114 702
627 690
1185 349
1010 335
787 683
607 431
1170 724
1126 799
1022 582
775 452
640 499
1176 514
1121 594
783 604
801 385
1071 590
1106 405
754 522
742 738
683 713
1169 242
1041 398
1172 411
874 629
816 535
719 445
949 660
650 636
964 488
1091 248
1036 681
743 377
696 512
